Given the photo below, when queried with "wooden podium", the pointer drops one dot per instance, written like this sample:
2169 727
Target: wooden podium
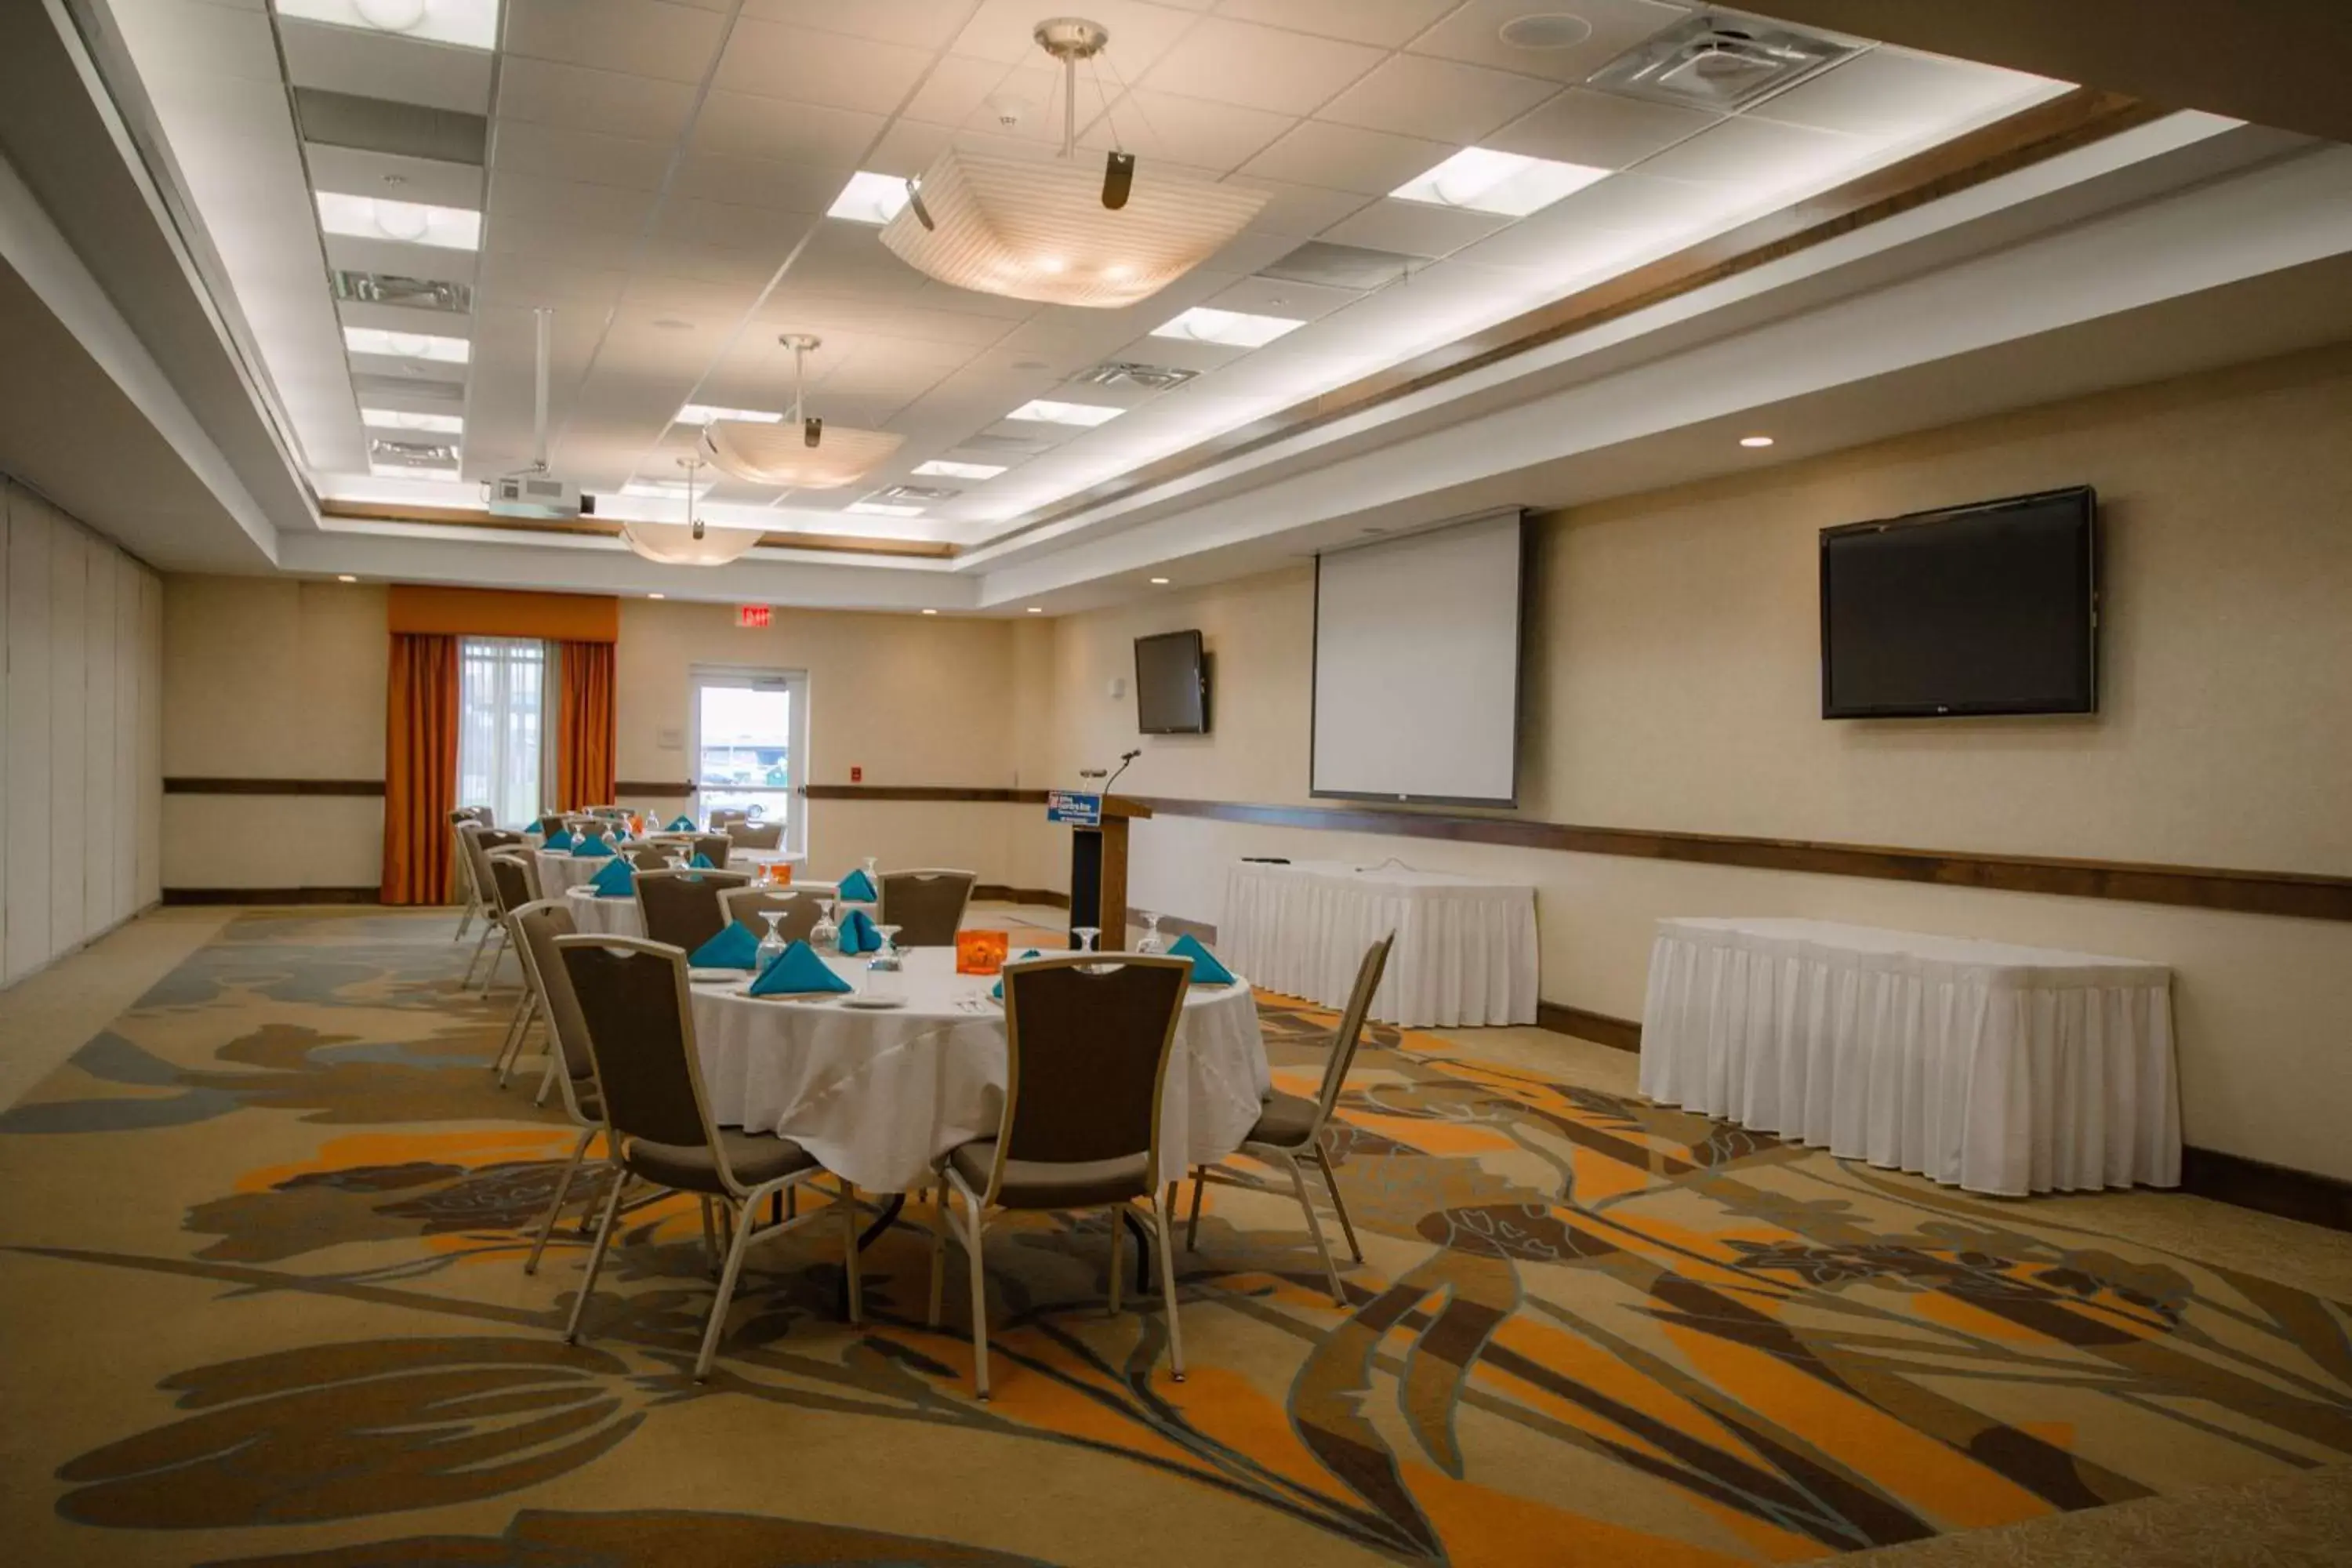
1099 870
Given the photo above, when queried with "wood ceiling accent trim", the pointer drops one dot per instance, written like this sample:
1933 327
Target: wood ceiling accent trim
2061 125
596 528
273 786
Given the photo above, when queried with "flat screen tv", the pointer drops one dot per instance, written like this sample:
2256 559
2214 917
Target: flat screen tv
1172 685
1991 608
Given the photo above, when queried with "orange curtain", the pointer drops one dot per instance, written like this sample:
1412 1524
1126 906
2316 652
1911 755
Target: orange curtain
420 768
584 725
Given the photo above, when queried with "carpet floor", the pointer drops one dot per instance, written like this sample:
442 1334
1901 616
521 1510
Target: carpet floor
262 1299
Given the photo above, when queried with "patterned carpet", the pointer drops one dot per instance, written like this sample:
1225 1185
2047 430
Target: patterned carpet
261 1290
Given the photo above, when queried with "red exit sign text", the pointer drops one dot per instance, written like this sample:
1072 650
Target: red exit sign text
751 615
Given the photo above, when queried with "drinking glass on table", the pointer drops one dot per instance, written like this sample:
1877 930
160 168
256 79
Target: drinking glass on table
825 931
1086 935
1150 943
772 946
885 971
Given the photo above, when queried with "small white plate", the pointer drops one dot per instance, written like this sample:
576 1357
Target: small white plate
716 976
874 1003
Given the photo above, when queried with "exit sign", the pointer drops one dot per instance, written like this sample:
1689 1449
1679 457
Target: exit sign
752 616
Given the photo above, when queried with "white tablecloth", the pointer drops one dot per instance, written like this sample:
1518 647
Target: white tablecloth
1464 953
880 1096
1999 1069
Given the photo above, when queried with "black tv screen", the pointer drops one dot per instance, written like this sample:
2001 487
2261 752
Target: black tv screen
1172 685
1991 608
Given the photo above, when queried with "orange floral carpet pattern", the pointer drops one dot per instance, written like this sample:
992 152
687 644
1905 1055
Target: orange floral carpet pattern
1586 1329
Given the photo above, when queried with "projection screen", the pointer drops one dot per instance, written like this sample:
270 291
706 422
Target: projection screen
1417 667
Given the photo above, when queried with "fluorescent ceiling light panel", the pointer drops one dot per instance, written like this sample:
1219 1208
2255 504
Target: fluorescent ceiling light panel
1506 183
869 199
408 222
704 413
662 490
407 345
941 467
470 24
882 509
402 420
409 471
1234 329
1087 414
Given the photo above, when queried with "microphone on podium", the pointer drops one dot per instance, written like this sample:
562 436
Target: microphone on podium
1125 760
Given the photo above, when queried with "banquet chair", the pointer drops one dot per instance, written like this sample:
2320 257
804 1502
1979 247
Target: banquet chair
713 848
571 1066
1087 1046
681 908
550 825
723 816
476 843
757 835
640 1029
926 906
748 904
470 905
1290 1129
514 882
649 856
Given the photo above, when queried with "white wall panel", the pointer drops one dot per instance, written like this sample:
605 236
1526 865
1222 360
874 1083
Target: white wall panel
68 671
122 826
151 739
27 827
6 816
97 804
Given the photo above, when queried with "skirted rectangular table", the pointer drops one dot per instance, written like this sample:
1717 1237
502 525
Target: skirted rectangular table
1997 1069
1464 953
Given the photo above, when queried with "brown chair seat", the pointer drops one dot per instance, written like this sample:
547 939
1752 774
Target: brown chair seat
1288 1122
1053 1184
756 1158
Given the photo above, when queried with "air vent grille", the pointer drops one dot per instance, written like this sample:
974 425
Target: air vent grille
1719 60
1127 373
392 288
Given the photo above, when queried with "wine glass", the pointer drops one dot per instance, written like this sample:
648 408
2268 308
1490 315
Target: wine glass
885 971
772 946
872 870
1086 935
1150 943
825 931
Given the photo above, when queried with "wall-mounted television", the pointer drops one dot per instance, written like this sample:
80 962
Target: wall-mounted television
1982 609
1172 685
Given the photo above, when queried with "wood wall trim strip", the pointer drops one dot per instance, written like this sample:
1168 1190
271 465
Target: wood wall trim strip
2043 131
273 786
1601 1028
998 892
368 895
661 789
924 791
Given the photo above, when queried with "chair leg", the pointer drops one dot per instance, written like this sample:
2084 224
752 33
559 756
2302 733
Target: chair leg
547 1078
596 1256
1118 1229
848 1202
563 1191
735 1245
939 1257
1193 1224
517 1029
1331 1185
973 1222
1168 1291
1315 1229
481 942
464 921
709 1242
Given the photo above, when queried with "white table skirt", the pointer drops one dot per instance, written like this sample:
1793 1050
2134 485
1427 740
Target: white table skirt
1464 953
1997 1068
880 1096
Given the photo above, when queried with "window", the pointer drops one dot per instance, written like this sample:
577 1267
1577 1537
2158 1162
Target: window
502 685
750 745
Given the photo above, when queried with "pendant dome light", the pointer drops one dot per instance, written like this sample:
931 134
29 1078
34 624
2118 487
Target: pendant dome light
693 542
801 453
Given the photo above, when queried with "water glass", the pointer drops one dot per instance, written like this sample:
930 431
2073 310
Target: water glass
772 946
885 971
1086 935
1150 943
825 931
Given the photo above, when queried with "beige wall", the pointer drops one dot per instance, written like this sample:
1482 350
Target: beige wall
276 679
1672 685
81 733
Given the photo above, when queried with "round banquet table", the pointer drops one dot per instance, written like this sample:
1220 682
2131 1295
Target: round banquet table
560 871
619 917
879 1096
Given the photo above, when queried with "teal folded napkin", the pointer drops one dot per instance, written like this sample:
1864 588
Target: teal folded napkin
560 840
616 881
681 825
857 933
737 947
857 888
1206 970
591 850
701 862
796 969
997 990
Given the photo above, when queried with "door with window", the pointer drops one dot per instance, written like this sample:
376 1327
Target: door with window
750 745
503 751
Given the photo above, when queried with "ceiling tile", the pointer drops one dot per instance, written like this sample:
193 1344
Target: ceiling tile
577 97
509 278
735 225
375 65
642 38
1276 297
1442 100
1889 93
1760 156
529 199
924 24
362 174
811 67
1297 210
1474 34
1344 157
759 182
1599 130
1215 137
1260 67
1387 23
1414 229
742 125
1140 32
527 147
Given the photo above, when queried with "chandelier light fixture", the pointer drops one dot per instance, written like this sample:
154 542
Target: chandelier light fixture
693 542
800 453
1057 233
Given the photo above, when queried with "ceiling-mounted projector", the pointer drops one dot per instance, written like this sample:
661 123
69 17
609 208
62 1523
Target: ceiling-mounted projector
535 495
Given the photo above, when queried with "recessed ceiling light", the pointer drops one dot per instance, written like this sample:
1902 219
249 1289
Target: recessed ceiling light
941 467
1509 185
1160 582
1545 30
1036 609
930 612
345 577
1051 413
1756 440
1235 329
407 345
869 199
471 23
704 413
410 223
882 509
656 595
674 324
406 419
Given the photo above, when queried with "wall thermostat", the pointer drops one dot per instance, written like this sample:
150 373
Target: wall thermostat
1117 687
